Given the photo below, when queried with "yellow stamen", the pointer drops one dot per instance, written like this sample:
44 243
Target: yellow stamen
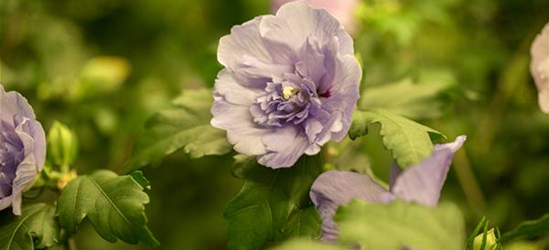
288 92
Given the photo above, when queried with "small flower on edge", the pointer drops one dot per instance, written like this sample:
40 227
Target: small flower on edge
289 86
540 67
22 149
421 183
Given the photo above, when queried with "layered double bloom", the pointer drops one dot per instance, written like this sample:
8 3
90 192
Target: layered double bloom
290 84
22 149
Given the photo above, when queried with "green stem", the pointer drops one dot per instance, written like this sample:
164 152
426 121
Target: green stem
466 177
468 182
71 244
513 75
66 239
65 168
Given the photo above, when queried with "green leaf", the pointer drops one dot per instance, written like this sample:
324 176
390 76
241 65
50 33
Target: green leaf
528 229
483 224
416 101
138 177
400 224
185 126
274 205
307 244
113 204
242 165
302 222
36 228
409 142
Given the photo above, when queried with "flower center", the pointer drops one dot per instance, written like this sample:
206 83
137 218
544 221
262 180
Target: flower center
286 100
288 92
10 156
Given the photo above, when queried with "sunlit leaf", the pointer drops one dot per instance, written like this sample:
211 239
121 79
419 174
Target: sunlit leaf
186 126
113 204
307 244
401 225
406 98
409 142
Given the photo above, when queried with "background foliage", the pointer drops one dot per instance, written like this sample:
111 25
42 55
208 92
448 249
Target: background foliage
103 67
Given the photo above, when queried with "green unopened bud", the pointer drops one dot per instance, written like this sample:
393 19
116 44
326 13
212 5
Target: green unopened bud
491 241
62 146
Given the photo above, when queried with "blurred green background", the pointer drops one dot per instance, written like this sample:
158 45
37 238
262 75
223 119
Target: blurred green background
104 66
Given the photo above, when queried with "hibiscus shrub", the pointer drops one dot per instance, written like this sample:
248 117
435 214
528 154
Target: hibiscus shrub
290 110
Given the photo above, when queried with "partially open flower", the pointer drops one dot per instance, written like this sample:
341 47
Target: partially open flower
22 148
540 67
290 84
421 183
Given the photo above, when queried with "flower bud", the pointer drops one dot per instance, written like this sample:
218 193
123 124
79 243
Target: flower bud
62 145
491 241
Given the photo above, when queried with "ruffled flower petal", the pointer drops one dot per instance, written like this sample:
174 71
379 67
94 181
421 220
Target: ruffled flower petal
284 147
296 21
28 170
227 87
343 10
241 131
245 41
344 96
14 104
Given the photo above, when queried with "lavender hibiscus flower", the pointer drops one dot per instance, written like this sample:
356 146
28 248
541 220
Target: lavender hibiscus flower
22 148
540 67
343 10
421 183
290 84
